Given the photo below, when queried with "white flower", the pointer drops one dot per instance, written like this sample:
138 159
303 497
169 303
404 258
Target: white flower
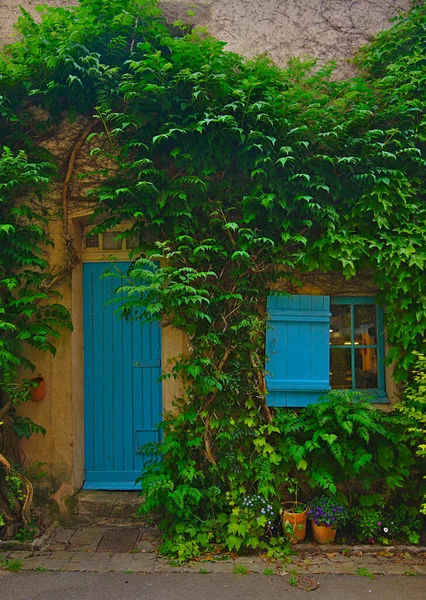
385 529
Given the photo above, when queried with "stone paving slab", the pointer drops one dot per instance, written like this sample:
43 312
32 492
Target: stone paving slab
86 536
145 546
75 549
421 569
149 563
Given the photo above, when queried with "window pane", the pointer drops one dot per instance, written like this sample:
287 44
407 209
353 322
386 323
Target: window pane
110 243
340 368
366 368
340 324
132 241
92 240
365 325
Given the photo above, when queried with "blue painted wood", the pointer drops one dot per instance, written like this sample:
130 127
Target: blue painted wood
297 349
122 387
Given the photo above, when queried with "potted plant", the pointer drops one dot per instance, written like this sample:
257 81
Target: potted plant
38 389
326 514
294 514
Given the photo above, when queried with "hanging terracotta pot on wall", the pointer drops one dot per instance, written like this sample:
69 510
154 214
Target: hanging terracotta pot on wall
39 391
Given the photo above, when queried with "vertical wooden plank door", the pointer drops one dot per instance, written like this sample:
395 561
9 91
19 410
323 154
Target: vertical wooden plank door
122 390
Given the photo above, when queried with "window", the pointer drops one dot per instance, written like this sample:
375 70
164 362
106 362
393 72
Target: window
118 240
318 343
356 347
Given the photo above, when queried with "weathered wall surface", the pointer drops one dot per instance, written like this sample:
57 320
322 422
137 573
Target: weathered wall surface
327 29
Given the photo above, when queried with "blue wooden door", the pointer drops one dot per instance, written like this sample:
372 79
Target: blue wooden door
122 390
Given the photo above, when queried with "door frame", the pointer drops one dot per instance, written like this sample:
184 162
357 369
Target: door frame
173 343
112 461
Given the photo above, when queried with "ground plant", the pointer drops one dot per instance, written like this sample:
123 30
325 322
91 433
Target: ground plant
328 511
237 176
412 411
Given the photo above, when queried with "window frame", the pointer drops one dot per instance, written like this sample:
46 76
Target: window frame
378 393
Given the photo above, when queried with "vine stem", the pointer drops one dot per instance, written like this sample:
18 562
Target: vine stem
262 389
207 445
81 140
5 464
71 163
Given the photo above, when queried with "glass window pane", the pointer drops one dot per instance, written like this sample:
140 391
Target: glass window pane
340 368
92 240
132 241
109 241
366 368
365 318
340 324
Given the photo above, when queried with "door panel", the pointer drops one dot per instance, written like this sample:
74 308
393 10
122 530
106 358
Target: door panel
122 391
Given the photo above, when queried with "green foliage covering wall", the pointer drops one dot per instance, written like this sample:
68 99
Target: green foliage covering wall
246 175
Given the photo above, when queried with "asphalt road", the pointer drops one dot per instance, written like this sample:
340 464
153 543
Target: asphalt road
177 586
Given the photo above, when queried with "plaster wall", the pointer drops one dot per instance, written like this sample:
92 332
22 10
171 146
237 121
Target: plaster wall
327 29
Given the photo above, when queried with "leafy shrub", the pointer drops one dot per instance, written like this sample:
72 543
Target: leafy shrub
402 524
366 522
387 525
344 439
199 508
343 445
412 412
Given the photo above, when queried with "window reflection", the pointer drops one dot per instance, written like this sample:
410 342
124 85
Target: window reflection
340 368
366 368
365 325
110 241
340 324
354 365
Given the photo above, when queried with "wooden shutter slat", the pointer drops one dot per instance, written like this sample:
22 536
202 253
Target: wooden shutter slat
297 349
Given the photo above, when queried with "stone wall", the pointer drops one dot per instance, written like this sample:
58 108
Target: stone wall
327 29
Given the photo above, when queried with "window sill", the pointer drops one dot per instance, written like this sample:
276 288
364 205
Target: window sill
375 396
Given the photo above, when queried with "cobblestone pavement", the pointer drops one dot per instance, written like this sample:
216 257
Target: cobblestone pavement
80 549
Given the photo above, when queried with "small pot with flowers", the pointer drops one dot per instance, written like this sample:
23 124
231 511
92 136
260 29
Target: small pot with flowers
326 515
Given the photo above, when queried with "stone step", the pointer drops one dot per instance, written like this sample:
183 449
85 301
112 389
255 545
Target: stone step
90 506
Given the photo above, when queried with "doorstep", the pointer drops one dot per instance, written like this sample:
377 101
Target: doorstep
97 505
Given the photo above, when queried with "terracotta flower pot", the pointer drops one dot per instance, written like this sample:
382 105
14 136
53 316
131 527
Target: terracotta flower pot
38 392
297 520
323 534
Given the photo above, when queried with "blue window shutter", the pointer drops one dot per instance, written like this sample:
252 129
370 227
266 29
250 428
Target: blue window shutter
297 349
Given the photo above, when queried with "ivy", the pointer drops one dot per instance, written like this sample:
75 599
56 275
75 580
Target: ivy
29 314
237 176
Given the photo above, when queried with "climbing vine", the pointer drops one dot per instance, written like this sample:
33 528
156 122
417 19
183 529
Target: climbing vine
26 320
237 176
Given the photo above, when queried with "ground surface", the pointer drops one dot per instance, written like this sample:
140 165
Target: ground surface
126 545
177 586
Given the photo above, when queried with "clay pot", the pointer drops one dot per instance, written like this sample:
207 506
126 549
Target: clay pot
38 392
323 534
297 520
